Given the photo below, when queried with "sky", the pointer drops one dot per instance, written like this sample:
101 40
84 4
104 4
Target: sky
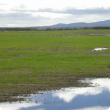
24 13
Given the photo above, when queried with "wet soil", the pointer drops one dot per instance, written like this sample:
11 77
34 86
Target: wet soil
25 89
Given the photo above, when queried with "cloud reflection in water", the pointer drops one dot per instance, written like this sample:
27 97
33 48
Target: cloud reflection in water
84 98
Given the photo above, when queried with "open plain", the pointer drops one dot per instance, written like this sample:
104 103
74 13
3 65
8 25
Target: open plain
42 60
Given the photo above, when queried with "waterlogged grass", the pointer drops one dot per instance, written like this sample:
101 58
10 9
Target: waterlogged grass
51 58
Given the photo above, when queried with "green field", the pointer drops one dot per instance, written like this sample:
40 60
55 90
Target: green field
36 60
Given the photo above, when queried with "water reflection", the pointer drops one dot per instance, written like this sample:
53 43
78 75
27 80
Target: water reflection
84 98
100 49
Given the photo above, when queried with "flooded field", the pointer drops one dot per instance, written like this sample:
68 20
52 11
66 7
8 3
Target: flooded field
94 97
32 61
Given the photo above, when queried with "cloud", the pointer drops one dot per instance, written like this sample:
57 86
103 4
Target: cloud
18 19
74 11
1 10
2 4
20 15
21 19
22 6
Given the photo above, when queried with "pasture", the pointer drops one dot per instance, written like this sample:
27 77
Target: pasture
40 60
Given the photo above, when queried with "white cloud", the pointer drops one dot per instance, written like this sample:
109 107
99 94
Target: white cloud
58 11
57 4
17 105
84 98
70 95
95 108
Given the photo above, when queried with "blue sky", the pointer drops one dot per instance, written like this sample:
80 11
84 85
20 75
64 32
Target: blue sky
20 13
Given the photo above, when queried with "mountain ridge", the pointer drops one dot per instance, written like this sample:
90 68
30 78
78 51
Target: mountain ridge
72 25
78 25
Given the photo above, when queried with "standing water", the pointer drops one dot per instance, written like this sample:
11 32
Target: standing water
100 49
96 97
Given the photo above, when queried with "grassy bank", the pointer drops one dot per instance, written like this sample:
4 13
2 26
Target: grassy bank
36 60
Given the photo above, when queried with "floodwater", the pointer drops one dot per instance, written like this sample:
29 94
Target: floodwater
100 49
100 34
94 97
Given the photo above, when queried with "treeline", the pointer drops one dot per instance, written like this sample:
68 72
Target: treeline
97 27
50 29
15 29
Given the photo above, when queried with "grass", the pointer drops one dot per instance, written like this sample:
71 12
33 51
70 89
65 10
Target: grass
44 59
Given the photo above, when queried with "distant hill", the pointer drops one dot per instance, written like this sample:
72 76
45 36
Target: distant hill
78 25
73 25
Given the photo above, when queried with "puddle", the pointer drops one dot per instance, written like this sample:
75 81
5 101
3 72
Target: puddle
99 34
97 49
96 97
